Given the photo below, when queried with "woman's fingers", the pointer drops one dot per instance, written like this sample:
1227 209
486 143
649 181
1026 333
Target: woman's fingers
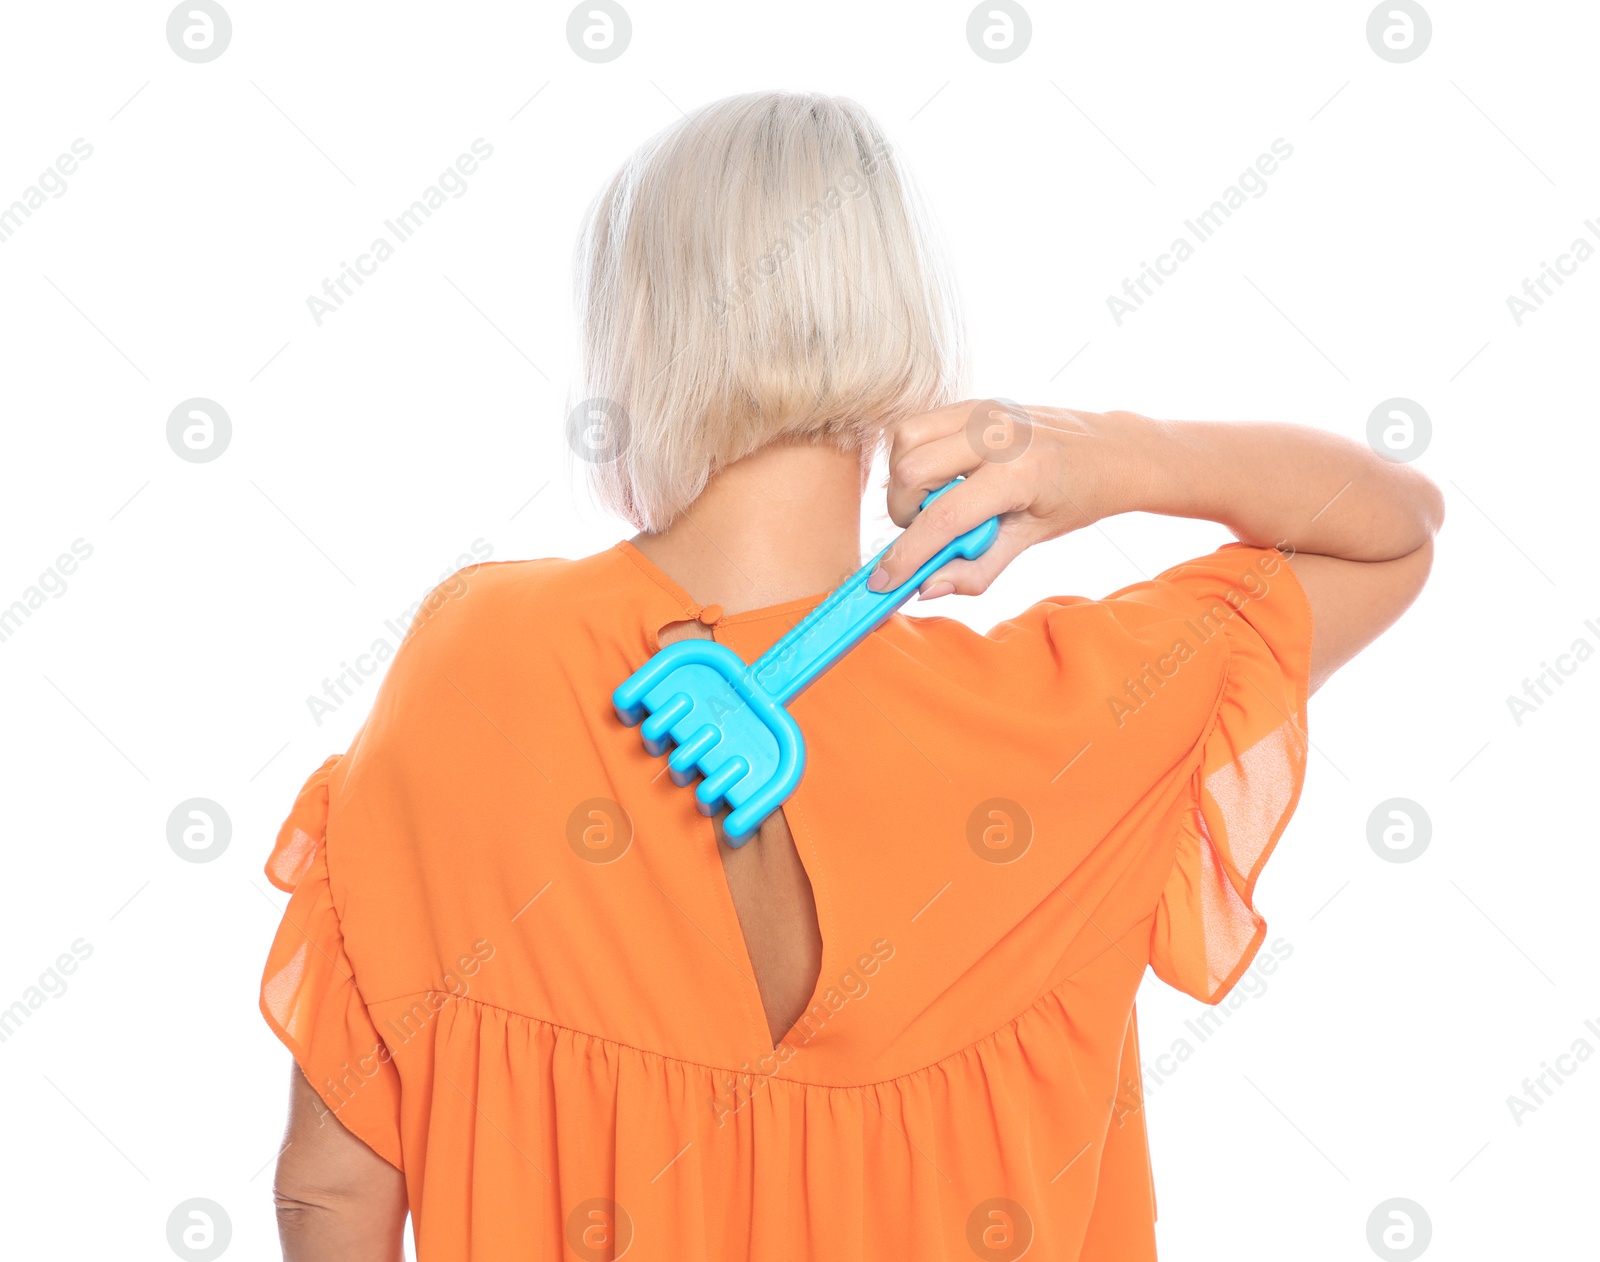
925 427
1042 471
930 448
926 467
972 578
985 494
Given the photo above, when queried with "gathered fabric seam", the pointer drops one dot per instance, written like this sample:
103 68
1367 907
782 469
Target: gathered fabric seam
1052 993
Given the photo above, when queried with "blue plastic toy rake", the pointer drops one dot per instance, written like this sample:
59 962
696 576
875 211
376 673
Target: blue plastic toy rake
728 719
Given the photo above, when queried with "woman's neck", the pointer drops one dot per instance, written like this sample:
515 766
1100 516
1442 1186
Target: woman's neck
779 525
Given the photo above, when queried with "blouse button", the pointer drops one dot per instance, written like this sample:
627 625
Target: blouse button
711 615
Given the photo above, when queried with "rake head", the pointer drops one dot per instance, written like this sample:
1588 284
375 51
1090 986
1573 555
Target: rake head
700 696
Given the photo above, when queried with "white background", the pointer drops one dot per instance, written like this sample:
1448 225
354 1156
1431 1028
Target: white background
370 453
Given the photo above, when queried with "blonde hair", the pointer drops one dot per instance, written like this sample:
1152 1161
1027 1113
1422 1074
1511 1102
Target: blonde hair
760 270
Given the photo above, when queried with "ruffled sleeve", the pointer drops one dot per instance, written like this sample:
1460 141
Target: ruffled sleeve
308 990
1253 758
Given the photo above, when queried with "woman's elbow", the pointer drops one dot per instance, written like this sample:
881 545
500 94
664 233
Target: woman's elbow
1424 507
335 1197
364 1224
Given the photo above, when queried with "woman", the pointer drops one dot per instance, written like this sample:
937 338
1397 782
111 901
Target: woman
537 1000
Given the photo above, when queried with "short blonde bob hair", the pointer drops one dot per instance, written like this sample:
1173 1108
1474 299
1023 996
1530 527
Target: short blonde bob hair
761 270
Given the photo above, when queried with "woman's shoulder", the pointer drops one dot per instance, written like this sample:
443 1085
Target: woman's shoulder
475 596
1186 607
533 604
1168 646
493 631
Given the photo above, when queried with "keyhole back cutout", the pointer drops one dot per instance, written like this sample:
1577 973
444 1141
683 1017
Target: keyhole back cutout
772 896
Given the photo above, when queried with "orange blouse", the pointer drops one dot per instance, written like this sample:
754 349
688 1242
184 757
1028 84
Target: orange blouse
512 965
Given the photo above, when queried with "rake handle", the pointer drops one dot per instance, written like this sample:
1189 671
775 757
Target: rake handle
852 611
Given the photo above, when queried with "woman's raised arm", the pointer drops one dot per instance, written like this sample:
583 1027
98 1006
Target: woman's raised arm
1358 528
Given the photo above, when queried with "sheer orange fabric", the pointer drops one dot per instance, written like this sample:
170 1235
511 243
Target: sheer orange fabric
512 966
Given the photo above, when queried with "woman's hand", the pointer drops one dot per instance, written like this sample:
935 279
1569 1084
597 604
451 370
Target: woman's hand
1042 471
1358 528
